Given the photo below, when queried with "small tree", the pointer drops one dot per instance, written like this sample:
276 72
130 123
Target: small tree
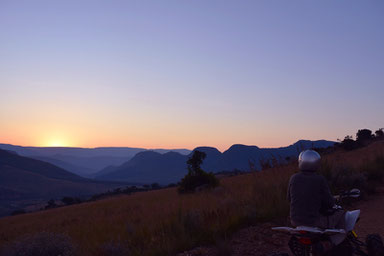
196 176
364 135
155 186
68 200
18 212
117 191
379 133
195 162
348 143
51 204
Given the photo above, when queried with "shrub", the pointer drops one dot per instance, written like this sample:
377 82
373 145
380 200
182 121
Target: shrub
41 244
196 177
348 143
70 200
364 135
51 204
191 182
379 133
18 212
155 186
117 191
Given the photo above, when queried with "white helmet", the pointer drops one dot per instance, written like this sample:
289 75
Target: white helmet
309 160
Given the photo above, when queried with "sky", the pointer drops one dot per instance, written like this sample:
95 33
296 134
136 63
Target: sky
181 74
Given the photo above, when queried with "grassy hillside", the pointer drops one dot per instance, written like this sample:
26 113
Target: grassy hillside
38 167
23 179
163 222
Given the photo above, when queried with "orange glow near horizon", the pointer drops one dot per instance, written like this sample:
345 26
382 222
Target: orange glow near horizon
52 122
56 143
94 140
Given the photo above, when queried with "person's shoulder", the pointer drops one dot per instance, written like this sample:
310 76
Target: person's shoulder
295 175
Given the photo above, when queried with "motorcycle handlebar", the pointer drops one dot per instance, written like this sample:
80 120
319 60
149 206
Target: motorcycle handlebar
351 193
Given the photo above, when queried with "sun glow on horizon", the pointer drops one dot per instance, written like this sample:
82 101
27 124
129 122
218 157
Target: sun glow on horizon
56 143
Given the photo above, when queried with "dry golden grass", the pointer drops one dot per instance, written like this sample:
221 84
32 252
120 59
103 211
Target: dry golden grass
358 157
163 222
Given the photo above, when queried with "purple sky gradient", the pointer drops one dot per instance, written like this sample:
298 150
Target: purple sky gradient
189 73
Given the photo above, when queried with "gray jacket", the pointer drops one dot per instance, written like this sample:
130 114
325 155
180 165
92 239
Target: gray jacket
309 194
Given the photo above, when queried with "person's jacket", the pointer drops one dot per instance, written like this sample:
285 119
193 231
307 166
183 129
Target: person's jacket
309 194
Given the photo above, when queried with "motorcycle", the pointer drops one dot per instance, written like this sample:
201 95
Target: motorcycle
307 241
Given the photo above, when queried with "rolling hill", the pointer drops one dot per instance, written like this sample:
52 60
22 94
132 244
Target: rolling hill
23 179
83 161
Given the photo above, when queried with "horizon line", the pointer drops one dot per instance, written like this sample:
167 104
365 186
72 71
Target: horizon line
158 148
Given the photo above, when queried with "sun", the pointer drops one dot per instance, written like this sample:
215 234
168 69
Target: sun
56 143
55 140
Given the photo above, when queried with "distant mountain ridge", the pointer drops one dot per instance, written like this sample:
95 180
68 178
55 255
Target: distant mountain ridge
23 179
150 166
83 161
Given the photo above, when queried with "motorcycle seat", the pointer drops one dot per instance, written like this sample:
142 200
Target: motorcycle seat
314 230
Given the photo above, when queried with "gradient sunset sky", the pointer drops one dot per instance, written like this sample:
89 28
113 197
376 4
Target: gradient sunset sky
186 73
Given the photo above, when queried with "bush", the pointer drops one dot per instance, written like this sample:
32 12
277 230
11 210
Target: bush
70 200
196 177
363 138
51 204
348 143
41 244
155 186
191 182
364 135
379 133
18 212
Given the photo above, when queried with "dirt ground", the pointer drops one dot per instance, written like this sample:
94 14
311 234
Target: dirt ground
371 216
261 240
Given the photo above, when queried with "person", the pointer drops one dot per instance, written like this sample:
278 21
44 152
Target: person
310 197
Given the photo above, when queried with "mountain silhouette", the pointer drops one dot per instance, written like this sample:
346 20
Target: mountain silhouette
149 166
141 168
23 179
83 161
